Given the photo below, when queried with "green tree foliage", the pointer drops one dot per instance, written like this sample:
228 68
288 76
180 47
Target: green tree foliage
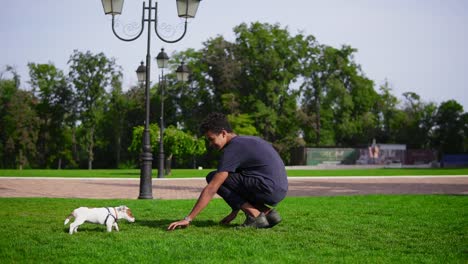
182 146
113 128
24 124
270 62
91 74
55 98
420 119
19 123
137 138
286 88
8 90
390 117
450 128
20 126
464 121
252 76
338 103
214 72
178 144
243 124
316 112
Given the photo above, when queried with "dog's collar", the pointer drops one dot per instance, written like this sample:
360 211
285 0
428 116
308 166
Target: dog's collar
109 214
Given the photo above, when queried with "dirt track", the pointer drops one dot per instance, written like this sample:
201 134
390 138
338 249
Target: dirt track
190 188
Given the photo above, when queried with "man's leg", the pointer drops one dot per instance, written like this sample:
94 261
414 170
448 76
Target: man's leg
236 192
247 194
232 198
261 201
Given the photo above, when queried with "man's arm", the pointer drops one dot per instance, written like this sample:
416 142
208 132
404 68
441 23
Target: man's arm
205 197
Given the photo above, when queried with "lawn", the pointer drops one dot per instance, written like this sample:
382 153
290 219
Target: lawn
190 173
341 229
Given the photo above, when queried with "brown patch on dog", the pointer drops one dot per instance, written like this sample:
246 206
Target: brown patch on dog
129 212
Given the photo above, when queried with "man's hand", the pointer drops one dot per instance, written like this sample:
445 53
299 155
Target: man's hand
181 223
205 197
228 219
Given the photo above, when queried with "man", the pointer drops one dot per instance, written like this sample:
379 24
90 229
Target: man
250 177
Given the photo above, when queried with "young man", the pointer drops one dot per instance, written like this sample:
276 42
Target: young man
250 177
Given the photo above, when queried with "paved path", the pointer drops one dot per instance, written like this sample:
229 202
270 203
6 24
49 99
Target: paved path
190 188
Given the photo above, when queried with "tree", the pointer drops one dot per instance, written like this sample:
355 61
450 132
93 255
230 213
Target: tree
450 128
420 122
270 59
16 77
113 128
390 117
54 105
137 139
8 90
243 124
338 102
91 74
19 123
464 121
21 126
214 73
181 145
223 69
315 115
25 126
177 143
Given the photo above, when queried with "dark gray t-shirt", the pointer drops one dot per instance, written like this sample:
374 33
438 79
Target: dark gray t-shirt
254 157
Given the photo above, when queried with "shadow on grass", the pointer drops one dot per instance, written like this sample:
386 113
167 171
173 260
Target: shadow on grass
87 229
164 223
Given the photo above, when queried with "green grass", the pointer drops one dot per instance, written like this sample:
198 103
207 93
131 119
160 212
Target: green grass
344 229
190 173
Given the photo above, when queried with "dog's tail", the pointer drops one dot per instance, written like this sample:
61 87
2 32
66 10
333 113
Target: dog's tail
68 219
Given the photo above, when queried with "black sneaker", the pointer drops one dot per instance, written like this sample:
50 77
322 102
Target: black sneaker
273 218
256 222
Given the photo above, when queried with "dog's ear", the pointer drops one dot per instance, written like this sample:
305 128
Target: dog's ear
122 208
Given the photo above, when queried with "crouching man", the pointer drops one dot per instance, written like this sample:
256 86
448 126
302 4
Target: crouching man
250 177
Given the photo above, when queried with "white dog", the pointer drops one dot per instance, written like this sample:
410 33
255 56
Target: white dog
105 216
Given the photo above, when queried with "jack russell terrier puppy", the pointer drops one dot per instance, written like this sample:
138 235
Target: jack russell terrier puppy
105 216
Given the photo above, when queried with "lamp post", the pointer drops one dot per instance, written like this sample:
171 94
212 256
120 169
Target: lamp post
186 9
182 76
183 72
162 60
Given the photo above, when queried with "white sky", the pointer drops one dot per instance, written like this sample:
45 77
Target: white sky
417 45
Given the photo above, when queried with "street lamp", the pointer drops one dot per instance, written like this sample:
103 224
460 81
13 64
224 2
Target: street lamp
182 72
186 9
141 73
163 62
182 75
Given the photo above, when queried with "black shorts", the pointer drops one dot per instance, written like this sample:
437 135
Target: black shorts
238 189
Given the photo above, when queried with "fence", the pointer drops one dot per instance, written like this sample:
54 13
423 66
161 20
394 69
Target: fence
460 160
381 154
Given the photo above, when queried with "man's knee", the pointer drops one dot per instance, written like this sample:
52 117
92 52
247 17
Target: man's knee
210 176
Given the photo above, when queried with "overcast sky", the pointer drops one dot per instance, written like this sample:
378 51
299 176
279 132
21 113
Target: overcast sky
417 45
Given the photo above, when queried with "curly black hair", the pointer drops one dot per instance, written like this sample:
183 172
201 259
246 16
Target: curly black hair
215 122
